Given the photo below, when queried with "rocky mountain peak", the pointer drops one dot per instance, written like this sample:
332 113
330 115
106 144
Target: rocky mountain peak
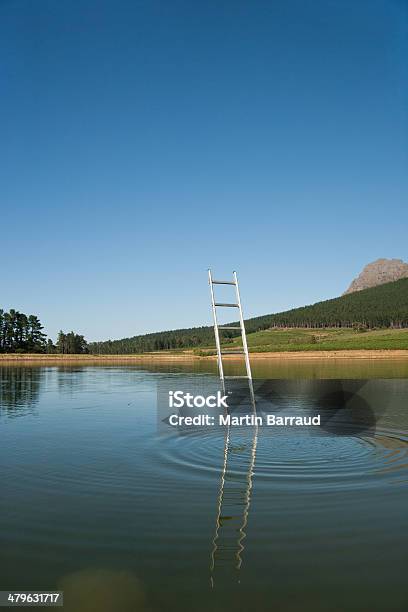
379 272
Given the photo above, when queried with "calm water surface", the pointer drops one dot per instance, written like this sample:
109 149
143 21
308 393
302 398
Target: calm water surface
97 502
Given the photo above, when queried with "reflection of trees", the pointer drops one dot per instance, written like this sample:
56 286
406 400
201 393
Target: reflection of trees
19 388
234 499
71 378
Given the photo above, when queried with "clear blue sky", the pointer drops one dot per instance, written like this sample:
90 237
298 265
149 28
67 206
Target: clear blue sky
142 142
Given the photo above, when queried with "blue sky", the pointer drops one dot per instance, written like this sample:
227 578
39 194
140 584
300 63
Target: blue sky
142 142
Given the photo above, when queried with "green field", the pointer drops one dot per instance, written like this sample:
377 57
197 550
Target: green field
300 339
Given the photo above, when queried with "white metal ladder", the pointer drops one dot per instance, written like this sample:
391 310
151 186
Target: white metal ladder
218 328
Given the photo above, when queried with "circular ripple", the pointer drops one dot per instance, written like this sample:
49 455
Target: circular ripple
298 461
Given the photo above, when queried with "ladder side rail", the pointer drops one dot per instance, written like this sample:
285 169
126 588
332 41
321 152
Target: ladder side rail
243 334
217 336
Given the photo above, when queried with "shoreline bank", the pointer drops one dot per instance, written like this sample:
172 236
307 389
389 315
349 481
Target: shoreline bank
394 354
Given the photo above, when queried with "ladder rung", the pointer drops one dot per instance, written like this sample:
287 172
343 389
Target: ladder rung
235 376
228 305
230 327
215 282
232 352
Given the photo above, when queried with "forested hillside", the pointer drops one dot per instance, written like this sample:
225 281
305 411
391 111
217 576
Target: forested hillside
382 306
385 306
158 341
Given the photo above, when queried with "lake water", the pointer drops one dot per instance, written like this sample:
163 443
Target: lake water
122 514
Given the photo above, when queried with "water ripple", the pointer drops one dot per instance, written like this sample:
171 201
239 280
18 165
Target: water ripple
289 461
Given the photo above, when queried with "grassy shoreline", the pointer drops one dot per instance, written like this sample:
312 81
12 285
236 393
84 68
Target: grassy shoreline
271 344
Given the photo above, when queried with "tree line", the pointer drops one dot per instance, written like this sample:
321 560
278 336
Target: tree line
385 306
21 333
69 344
157 341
